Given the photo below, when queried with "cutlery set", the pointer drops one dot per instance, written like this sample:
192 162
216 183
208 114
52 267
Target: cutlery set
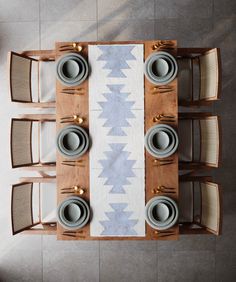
164 233
162 117
73 91
73 190
73 118
73 163
73 234
161 162
163 44
162 89
71 47
163 189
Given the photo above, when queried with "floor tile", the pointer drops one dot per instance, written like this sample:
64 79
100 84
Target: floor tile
70 10
125 9
70 260
224 8
19 10
16 259
52 32
189 243
184 8
225 266
194 33
128 261
186 266
126 30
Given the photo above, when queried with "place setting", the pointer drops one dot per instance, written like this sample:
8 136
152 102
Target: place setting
72 143
160 69
161 213
73 213
161 141
72 70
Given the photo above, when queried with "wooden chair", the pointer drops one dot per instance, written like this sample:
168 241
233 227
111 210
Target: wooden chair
21 77
33 142
33 206
199 206
208 84
199 141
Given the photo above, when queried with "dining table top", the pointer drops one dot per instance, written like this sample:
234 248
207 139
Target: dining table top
69 176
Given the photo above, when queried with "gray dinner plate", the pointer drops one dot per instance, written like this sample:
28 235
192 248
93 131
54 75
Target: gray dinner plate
81 149
171 145
80 223
167 226
160 80
170 72
151 149
80 77
80 74
81 137
170 218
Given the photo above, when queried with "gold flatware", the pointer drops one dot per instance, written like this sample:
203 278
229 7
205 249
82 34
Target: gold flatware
162 160
71 93
162 116
166 235
77 118
75 188
71 47
163 87
69 235
164 187
162 91
68 164
77 161
73 232
163 232
165 163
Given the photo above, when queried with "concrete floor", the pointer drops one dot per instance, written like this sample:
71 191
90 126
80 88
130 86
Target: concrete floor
33 24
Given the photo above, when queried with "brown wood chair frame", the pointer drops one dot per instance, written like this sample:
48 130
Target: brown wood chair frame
198 165
194 55
196 227
36 56
39 166
46 228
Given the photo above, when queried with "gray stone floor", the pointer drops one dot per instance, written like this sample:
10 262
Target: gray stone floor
33 24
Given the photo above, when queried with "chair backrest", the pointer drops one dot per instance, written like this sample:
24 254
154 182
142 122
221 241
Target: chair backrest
210 75
21 143
21 207
210 207
210 141
20 77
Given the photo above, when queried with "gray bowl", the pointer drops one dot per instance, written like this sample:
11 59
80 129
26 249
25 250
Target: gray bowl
158 222
153 78
83 142
152 149
171 145
71 222
69 76
168 224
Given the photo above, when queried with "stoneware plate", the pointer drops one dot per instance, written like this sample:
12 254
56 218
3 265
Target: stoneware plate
149 69
83 141
157 199
84 216
65 71
150 146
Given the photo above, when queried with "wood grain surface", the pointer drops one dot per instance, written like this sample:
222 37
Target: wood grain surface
68 176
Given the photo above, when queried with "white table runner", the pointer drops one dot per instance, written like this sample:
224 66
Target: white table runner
116 124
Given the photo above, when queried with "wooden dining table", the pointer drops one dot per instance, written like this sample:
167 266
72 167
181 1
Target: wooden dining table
69 176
